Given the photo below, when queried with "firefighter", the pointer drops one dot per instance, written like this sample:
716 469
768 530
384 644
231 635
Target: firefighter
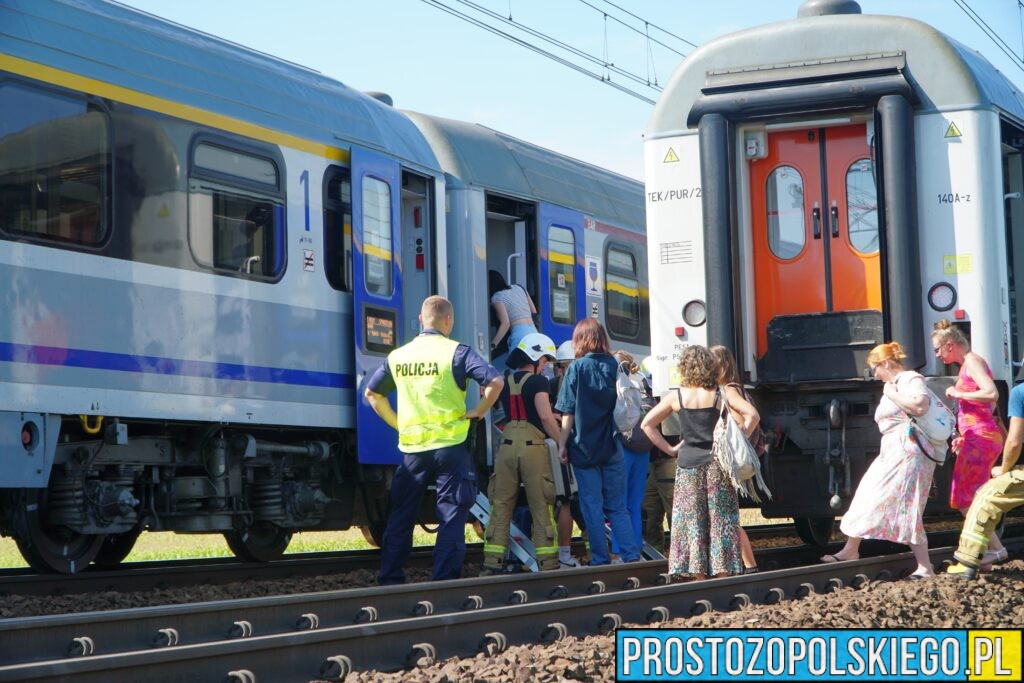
1002 493
430 375
523 456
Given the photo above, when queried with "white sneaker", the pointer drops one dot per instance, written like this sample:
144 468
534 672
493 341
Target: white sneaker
617 560
571 562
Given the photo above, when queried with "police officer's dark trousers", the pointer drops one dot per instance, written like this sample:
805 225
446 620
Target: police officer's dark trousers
452 468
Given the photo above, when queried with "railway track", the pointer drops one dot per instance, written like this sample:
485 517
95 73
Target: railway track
324 634
142 576
394 627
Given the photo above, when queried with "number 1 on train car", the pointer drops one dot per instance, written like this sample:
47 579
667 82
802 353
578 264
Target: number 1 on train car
377 291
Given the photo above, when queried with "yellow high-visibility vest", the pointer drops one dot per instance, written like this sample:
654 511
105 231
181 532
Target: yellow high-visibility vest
431 405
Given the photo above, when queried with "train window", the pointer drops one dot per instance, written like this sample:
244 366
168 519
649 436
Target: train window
622 292
233 227
784 200
562 274
862 207
54 166
338 228
377 236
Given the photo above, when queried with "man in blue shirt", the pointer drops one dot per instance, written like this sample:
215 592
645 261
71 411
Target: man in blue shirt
430 375
997 497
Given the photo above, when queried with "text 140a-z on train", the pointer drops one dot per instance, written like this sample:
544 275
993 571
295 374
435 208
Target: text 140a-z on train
197 286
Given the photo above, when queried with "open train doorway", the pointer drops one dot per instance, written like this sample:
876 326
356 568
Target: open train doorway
511 248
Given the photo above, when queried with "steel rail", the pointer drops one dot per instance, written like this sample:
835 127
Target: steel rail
140 576
392 645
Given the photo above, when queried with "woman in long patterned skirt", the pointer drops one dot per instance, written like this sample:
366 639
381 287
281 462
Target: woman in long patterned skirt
980 441
890 498
705 511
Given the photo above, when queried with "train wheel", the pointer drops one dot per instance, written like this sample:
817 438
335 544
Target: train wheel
51 549
115 548
375 500
262 542
814 530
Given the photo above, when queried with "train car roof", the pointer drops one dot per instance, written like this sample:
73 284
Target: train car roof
124 47
945 74
477 155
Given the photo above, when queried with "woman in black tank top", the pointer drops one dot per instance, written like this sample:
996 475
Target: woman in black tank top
705 509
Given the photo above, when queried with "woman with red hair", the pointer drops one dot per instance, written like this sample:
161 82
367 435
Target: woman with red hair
586 401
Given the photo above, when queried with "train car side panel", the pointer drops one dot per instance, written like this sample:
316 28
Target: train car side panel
962 228
675 239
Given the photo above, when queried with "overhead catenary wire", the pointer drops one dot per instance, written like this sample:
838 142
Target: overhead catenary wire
635 29
990 32
663 30
604 63
537 49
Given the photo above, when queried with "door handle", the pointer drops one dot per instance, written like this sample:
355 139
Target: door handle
816 216
835 219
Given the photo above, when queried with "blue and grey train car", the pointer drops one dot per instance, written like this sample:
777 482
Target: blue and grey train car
818 186
204 253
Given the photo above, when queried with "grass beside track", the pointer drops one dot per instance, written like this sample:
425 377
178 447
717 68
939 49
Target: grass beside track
167 545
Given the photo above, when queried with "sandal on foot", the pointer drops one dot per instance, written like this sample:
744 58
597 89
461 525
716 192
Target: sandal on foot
751 570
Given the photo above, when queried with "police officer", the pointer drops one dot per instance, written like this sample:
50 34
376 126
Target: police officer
430 375
523 456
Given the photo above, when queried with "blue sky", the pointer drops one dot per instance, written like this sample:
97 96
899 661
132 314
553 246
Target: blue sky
432 62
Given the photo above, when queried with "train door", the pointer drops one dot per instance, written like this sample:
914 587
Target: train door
419 275
562 282
815 225
511 247
377 291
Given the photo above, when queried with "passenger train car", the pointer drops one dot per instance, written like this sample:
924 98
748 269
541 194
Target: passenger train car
818 186
205 251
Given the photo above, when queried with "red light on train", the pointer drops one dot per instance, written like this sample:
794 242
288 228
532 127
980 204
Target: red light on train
680 331
419 261
960 314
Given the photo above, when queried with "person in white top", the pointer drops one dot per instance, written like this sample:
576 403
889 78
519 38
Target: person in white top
514 310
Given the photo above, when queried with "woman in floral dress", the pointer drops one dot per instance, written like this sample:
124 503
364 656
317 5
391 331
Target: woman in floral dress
890 498
980 441
705 510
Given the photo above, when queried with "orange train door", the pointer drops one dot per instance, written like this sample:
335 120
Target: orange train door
815 222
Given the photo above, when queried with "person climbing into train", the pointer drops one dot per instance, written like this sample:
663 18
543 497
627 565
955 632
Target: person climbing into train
729 377
1002 493
889 501
980 440
586 400
567 503
522 456
705 509
514 309
430 375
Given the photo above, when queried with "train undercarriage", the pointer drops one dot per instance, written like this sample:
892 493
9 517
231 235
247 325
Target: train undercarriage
256 487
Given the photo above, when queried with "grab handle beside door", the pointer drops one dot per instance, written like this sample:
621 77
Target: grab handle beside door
835 219
816 217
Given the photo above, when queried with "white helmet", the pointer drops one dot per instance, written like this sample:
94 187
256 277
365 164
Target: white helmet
565 351
536 345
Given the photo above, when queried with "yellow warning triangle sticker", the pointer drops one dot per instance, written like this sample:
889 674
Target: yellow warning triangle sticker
163 213
953 131
671 157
